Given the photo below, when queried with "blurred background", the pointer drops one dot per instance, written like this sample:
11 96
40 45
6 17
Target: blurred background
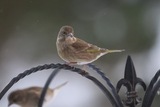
28 32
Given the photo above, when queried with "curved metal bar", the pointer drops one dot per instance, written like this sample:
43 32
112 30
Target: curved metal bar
140 81
114 92
124 82
60 66
150 89
39 68
105 91
53 74
154 92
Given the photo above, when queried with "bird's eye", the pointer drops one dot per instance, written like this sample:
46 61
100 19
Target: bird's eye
64 33
14 100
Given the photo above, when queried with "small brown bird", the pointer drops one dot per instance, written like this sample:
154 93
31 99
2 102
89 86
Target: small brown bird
76 51
29 97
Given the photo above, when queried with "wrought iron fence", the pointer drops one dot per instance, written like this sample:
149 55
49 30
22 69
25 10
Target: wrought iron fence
130 81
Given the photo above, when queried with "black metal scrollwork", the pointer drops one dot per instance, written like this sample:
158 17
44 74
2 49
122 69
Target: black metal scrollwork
130 81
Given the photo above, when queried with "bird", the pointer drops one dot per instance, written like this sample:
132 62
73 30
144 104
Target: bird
29 97
75 51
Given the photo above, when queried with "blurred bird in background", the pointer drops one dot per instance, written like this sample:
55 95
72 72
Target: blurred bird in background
76 51
29 97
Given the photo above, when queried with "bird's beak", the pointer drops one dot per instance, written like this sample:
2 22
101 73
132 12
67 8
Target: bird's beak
9 104
70 35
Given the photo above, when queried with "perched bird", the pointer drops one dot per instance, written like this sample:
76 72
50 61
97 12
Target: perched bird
76 51
29 97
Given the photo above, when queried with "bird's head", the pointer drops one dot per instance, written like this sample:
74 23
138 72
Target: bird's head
15 97
66 34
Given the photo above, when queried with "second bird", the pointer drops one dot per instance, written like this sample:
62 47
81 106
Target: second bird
29 97
76 51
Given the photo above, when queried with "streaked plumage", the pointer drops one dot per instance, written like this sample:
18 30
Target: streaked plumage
76 51
29 97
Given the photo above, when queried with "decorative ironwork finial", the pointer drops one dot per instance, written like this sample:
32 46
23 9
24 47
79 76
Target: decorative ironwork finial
130 81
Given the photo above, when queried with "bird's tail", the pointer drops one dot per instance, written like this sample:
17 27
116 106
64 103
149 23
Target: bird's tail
113 51
49 98
57 89
60 86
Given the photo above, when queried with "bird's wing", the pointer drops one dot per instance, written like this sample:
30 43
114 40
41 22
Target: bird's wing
36 90
82 46
33 97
